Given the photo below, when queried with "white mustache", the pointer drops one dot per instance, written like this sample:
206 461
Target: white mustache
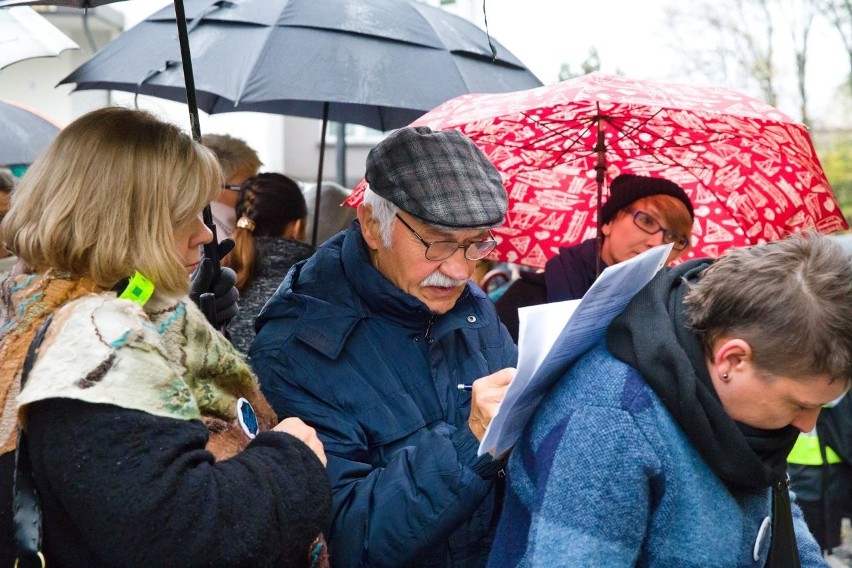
441 280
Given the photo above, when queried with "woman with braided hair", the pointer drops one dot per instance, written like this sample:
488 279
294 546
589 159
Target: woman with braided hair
271 217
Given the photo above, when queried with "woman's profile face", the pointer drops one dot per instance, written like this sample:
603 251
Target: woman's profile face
188 240
758 399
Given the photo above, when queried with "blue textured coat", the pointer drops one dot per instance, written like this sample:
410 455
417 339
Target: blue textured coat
375 373
603 476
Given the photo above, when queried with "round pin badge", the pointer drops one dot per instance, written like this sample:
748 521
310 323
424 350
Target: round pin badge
247 418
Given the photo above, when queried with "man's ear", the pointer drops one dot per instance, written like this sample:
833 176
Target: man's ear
369 227
731 354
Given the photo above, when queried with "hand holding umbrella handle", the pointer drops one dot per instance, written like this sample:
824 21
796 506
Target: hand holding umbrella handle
213 287
207 304
206 301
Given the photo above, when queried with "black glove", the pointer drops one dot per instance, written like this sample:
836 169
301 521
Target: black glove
224 292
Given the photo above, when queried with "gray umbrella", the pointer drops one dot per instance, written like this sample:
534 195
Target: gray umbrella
379 63
25 134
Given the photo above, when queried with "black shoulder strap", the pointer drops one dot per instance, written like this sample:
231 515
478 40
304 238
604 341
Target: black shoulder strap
26 506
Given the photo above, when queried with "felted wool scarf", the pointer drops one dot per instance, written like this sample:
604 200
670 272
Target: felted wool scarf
164 359
652 336
25 302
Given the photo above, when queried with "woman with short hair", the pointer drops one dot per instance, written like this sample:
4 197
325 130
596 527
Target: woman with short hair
666 444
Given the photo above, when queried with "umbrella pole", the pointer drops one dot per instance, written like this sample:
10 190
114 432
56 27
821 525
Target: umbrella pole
211 249
600 175
315 227
188 77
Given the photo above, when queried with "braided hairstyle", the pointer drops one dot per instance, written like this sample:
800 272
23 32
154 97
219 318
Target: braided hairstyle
269 204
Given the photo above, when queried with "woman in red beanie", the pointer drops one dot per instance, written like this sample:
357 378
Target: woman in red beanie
642 212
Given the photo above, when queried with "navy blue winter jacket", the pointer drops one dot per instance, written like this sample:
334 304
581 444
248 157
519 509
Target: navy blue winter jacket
376 373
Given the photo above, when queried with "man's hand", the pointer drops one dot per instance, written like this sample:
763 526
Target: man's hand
486 395
295 427
226 295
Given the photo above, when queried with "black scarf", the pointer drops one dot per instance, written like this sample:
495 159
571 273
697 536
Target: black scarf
652 336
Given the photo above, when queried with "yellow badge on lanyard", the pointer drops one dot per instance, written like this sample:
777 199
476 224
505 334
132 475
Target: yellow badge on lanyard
139 289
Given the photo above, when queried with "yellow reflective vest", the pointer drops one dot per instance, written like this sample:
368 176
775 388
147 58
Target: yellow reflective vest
806 451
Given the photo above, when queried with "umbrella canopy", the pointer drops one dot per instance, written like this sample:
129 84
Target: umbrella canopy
379 63
25 134
24 34
70 3
750 171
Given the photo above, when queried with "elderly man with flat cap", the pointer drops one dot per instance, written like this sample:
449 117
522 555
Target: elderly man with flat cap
373 340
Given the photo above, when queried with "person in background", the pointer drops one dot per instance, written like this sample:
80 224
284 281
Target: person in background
150 441
333 215
820 467
239 162
368 341
269 236
7 184
666 444
642 212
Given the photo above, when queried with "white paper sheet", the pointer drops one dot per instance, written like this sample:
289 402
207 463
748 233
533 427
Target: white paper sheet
553 336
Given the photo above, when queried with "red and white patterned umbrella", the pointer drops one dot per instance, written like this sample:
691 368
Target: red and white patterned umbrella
751 171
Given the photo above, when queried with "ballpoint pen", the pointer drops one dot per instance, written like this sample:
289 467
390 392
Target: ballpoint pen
464 387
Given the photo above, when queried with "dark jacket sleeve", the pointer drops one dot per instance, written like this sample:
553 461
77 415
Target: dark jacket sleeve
126 488
384 515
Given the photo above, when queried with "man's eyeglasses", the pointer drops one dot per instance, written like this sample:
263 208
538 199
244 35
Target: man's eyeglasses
652 227
442 250
231 186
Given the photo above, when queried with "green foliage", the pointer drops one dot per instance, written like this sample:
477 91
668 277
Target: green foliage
592 63
836 161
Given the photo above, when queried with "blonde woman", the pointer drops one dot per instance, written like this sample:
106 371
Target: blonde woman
150 442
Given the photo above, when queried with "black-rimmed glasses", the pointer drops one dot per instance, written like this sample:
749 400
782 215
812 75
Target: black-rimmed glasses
442 250
651 226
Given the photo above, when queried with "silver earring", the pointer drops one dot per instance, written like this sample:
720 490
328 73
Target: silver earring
725 377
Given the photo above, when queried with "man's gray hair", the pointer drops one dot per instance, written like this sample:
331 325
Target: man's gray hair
384 212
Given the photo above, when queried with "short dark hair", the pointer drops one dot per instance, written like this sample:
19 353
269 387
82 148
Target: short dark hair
790 300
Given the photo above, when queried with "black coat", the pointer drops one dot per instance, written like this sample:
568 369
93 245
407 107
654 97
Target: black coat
566 276
126 488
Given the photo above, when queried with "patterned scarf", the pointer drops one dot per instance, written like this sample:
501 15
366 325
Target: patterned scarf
164 359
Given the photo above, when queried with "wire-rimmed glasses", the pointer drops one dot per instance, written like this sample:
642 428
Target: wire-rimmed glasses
442 250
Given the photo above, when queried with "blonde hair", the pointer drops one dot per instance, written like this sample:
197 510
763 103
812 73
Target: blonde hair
106 197
233 154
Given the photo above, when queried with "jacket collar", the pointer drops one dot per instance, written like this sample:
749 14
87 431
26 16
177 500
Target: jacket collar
338 300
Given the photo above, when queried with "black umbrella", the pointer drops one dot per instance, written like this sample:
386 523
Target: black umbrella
379 63
25 134
211 249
